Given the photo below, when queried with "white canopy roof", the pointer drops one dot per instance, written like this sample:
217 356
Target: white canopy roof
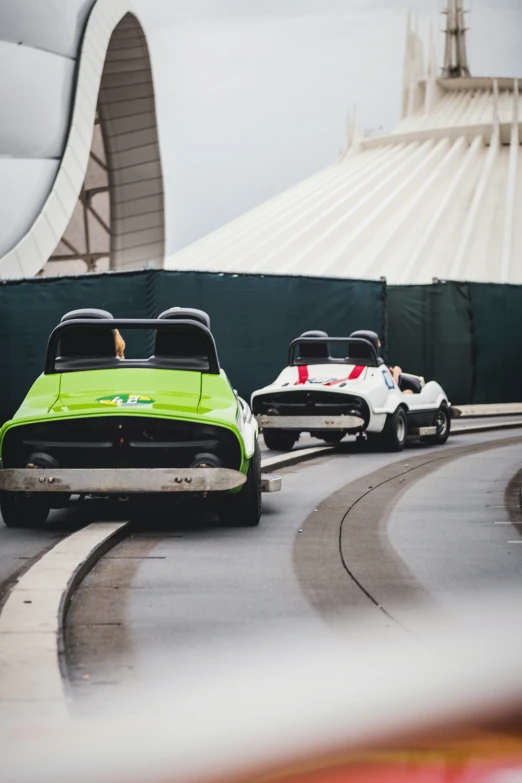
437 198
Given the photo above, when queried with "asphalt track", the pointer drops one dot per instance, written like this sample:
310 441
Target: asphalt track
355 531
20 548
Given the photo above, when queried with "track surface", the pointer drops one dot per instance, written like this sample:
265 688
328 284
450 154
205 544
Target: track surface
19 548
426 524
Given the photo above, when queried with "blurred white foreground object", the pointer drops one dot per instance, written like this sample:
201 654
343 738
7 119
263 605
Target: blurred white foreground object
276 701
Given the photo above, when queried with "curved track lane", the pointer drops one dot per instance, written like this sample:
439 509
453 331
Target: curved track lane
190 584
19 549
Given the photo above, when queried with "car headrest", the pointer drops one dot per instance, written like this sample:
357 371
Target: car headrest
84 342
74 315
372 337
186 314
358 351
186 343
314 350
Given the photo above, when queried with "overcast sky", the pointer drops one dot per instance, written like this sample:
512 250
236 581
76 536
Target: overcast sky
252 95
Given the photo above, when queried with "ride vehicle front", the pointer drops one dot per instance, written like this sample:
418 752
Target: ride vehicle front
337 386
95 425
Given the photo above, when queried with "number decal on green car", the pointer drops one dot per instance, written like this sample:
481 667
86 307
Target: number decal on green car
120 400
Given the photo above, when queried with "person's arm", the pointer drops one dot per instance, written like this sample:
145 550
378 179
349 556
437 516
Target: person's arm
396 374
120 345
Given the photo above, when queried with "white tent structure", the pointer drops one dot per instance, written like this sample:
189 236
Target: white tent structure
437 198
82 185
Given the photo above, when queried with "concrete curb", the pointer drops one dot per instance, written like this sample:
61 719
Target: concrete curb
103 541
469 430
32 623
294 457
499 409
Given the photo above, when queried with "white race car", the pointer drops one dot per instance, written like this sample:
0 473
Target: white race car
348 393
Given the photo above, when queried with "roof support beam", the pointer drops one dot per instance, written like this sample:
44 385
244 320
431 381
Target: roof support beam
400 226
286 221
80 257
346 199
71 247
511 191
382 180
415 260
478 199
98 160
97 217
432 153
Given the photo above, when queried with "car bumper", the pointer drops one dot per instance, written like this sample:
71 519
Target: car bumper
128 481
311 423
94 481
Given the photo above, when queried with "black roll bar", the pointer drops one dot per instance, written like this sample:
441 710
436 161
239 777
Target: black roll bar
373 358
128 323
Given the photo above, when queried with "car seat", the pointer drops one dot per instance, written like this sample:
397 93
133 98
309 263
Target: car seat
186 314
314 353
358 353
85 343
185 347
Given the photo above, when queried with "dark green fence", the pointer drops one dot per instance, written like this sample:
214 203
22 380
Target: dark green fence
254 318
465 335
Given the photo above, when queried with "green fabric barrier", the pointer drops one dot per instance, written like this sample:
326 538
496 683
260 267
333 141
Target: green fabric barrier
30 309
253 317
464 335
497 311
407 319
451 343
430 334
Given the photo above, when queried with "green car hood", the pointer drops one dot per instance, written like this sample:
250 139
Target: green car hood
162 392
174 394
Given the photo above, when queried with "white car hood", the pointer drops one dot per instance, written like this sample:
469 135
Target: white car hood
327 375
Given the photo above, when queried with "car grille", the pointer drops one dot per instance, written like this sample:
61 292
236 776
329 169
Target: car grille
120 442
311 403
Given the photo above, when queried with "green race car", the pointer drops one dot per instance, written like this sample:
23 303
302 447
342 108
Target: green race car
97 425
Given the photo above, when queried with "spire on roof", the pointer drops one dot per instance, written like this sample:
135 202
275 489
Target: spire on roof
354 134
433 89
414 70
455 57
407 71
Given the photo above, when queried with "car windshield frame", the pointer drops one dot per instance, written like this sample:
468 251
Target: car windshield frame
371 361
207 363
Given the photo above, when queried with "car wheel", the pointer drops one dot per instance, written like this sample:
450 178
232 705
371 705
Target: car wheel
443 424
332 438
280 440
395 430
243 508
21 510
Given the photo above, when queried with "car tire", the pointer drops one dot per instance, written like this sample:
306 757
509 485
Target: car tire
395 430
443 424
243 508
280 440
332 438
21 510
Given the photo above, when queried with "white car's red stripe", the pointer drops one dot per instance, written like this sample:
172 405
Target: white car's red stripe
303 373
